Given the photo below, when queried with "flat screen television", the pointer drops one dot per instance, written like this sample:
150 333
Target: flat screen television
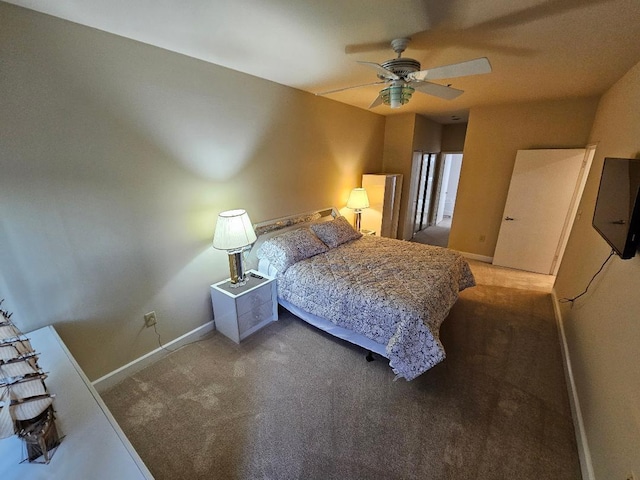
617 213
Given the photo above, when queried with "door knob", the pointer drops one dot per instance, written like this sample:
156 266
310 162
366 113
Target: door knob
509 219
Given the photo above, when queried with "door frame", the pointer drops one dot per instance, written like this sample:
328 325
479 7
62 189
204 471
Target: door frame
589 154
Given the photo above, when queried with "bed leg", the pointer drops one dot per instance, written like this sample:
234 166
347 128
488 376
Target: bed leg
369 356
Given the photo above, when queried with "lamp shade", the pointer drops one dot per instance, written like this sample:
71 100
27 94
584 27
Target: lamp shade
358 199
233 231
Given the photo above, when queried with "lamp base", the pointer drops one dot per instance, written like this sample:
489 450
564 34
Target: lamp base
236 269
358 215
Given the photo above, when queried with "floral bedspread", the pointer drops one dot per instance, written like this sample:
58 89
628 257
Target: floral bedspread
394 292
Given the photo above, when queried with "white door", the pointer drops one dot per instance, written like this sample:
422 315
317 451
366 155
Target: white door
540 195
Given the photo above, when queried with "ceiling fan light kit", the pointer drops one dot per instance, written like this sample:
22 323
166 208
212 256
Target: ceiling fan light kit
396 95
405 77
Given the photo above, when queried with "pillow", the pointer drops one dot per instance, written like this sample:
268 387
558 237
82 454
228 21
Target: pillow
336 232
291 247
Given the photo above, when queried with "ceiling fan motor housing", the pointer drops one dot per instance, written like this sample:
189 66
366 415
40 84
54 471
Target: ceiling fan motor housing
401 67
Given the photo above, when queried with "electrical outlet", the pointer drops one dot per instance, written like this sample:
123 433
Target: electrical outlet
631 476
150 319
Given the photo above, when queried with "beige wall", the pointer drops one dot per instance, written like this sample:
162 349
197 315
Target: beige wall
116 158
404 134
427 135
453 136
603 327
494 135
398 150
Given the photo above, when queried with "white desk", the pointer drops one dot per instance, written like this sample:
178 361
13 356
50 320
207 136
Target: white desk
94 446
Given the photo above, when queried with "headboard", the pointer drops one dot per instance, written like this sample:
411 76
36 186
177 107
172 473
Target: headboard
270 226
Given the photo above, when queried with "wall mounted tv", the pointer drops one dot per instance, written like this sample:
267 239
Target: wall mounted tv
617 213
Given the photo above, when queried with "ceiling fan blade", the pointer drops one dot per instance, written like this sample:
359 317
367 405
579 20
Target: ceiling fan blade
437 90
376 102
443 34
462 69
542 10
349 88
383 72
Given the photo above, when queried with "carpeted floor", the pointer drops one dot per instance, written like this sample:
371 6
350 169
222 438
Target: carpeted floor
435 235
291 402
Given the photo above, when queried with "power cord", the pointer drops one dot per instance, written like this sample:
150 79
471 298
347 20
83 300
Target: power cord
571 300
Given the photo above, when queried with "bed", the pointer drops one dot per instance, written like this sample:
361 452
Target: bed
388 296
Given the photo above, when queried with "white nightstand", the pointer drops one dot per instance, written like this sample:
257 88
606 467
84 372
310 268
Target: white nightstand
241 311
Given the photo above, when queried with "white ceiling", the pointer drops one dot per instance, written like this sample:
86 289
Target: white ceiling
538 49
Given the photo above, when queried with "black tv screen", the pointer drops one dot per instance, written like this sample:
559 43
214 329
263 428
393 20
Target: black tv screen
617 213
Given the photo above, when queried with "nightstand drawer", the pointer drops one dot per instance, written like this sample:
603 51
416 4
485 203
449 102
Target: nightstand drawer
252 300
254 317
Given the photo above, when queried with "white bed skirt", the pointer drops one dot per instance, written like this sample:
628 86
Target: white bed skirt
335 330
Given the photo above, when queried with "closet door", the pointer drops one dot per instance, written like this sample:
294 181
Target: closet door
425 212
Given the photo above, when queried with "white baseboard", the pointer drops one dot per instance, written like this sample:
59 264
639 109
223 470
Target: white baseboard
475 256
111 379
581 436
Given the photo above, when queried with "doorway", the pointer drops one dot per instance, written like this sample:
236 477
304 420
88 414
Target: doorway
452 165
437 184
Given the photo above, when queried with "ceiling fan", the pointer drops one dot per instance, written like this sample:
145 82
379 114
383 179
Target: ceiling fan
403 77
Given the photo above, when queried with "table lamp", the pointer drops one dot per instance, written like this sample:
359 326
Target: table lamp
358 201
234 234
